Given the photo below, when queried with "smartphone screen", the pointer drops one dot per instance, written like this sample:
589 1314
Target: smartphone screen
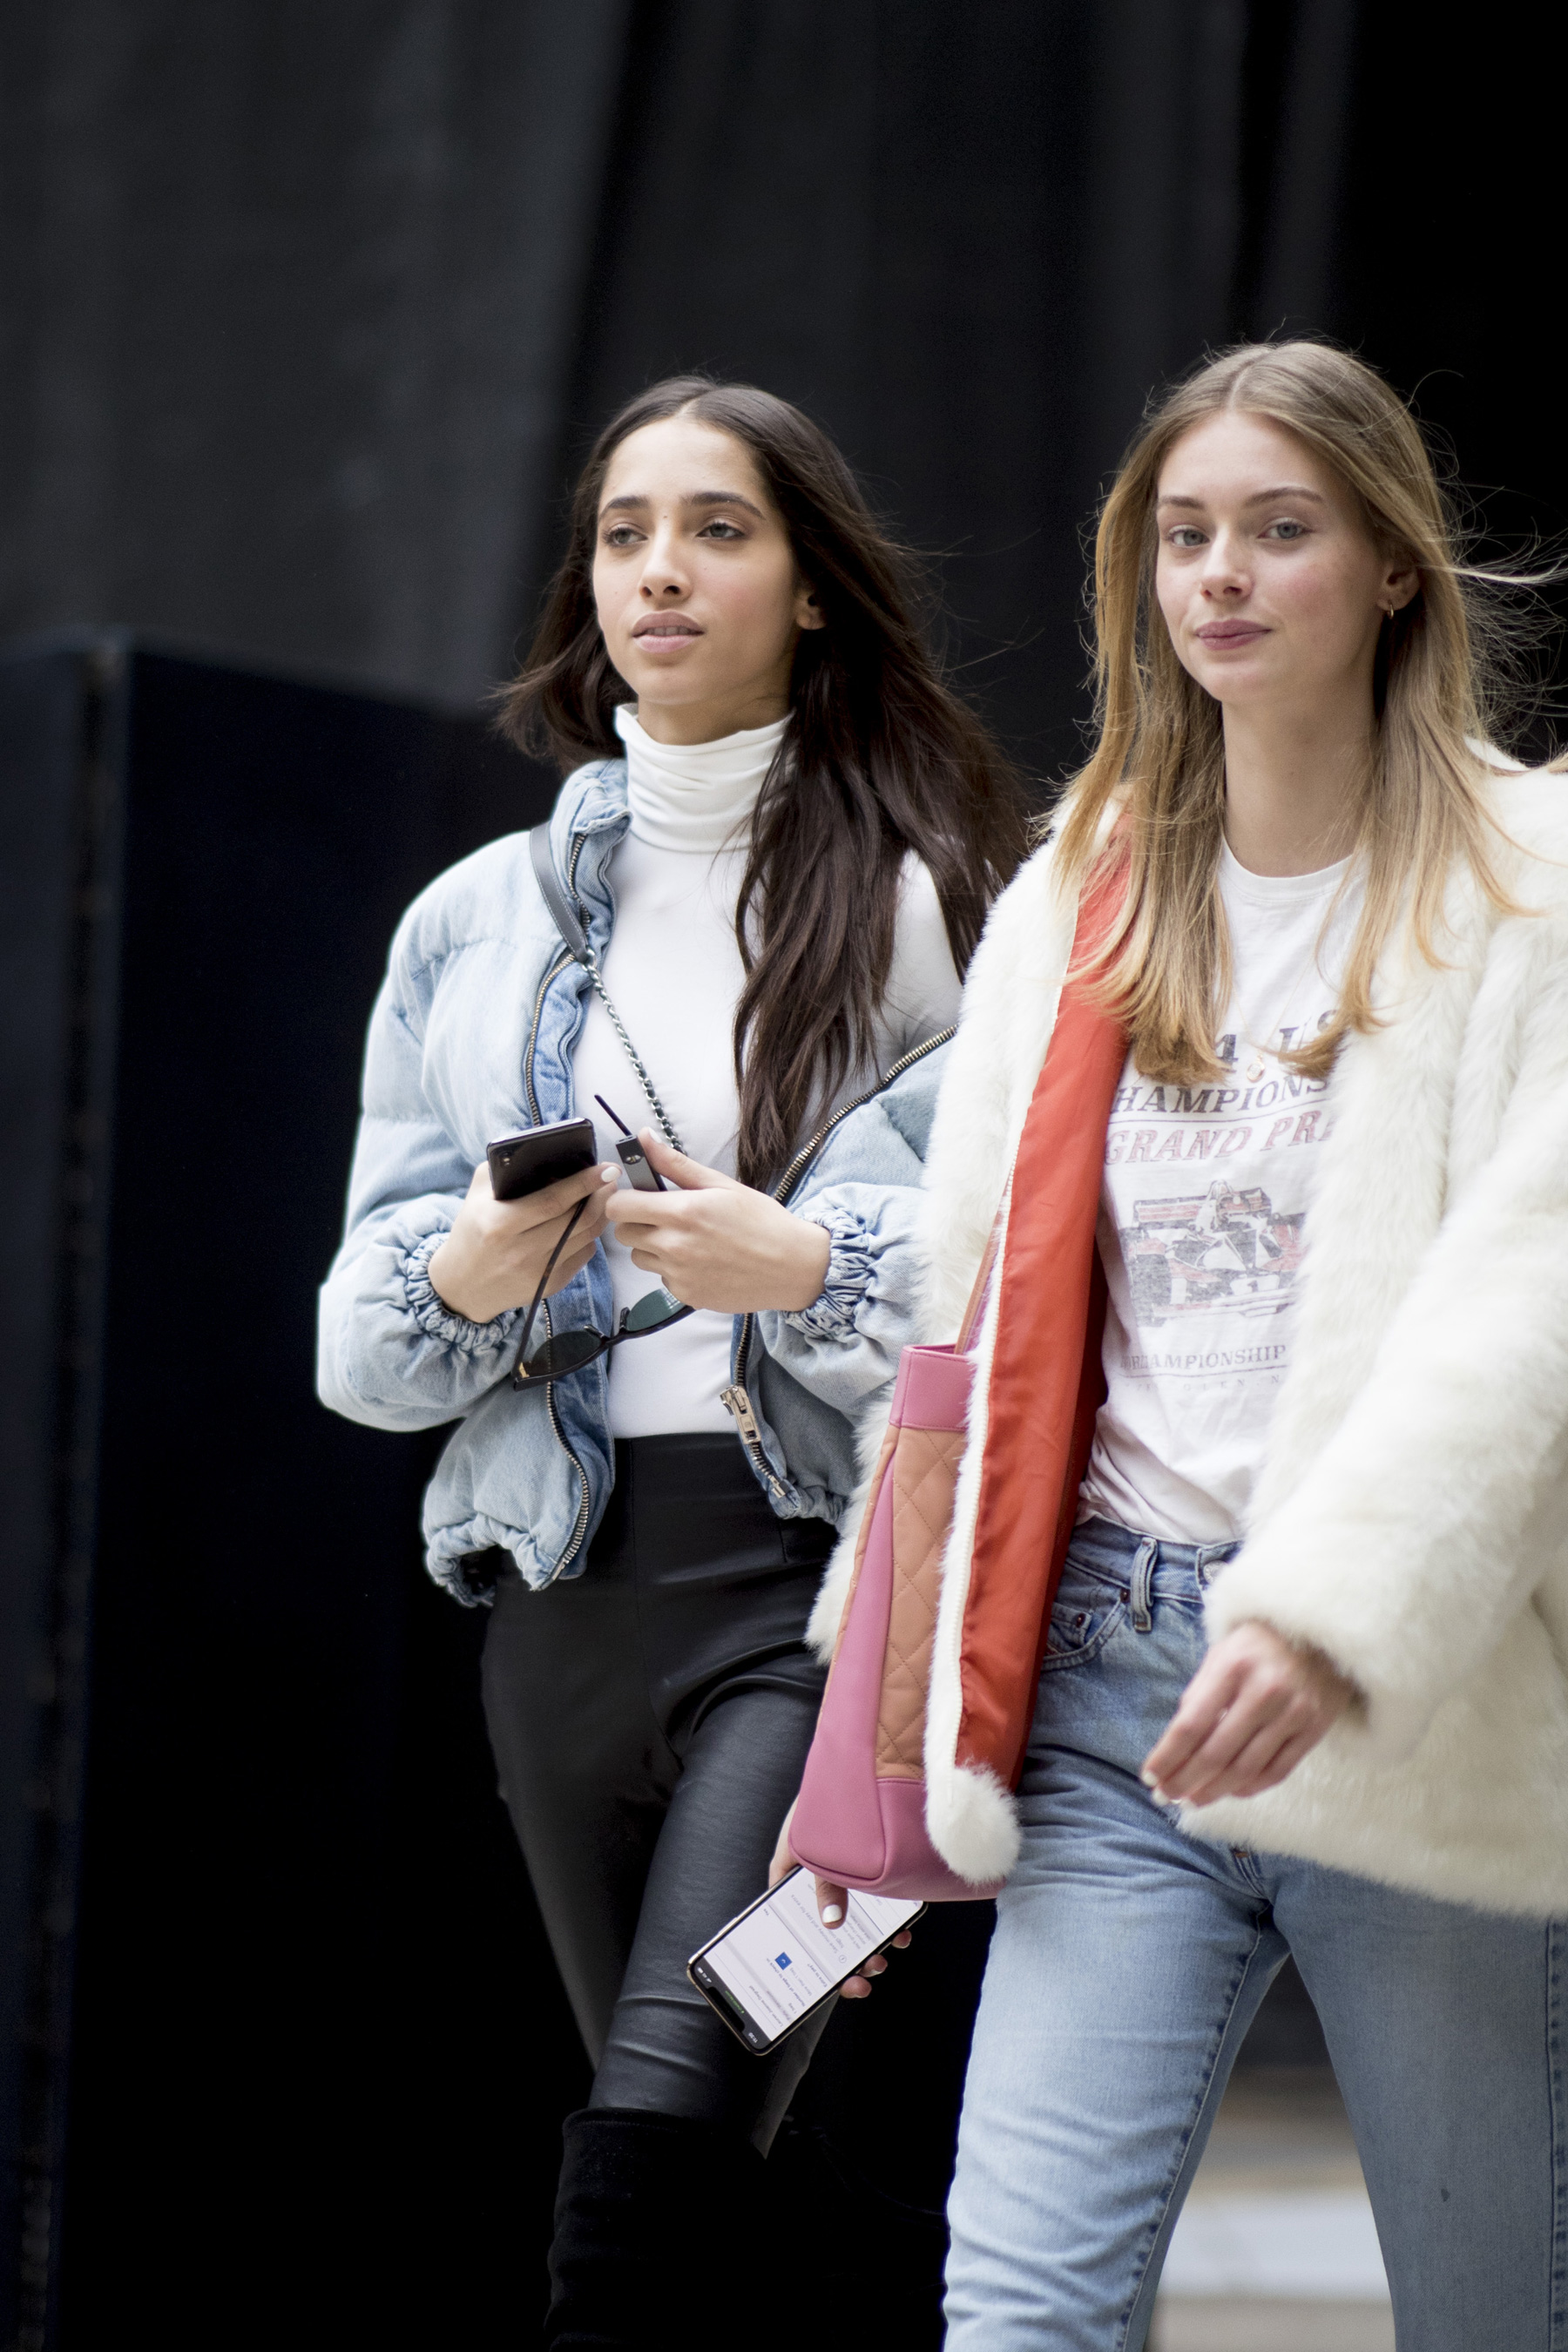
769 1968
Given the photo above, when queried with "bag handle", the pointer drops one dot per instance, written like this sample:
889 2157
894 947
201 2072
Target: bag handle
564 917
1091 912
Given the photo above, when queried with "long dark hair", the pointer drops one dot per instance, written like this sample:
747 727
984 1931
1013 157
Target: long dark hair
879 758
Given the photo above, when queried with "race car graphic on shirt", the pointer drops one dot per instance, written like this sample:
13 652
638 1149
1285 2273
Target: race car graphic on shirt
1228 1249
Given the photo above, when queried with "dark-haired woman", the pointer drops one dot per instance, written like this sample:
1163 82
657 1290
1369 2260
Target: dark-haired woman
780 833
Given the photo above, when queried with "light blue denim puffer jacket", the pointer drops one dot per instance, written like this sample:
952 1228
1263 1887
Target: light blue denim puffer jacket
472 1037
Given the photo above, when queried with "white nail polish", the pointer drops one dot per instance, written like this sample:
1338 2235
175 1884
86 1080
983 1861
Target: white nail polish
831 1914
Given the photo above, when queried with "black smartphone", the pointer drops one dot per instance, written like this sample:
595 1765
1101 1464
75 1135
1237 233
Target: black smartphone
521 1164
775 1964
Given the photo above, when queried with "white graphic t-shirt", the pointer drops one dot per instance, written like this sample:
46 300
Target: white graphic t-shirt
1205 1195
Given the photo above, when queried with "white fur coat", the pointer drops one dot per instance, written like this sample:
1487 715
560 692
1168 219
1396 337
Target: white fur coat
1411 1519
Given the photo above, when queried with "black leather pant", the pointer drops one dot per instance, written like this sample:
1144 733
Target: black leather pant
650 1721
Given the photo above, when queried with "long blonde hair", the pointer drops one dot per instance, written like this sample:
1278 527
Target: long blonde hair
1160 753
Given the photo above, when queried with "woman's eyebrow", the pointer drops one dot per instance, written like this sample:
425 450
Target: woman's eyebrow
1286 490
723 499
1257 499
629 499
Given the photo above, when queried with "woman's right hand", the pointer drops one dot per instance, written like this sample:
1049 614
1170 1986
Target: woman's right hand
492 1258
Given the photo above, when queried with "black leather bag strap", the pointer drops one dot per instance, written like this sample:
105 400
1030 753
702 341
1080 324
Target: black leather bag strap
562 912
563 915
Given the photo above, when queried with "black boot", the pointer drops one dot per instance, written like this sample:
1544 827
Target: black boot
656 2224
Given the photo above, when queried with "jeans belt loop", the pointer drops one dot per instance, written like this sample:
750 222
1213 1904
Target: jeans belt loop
1142 1596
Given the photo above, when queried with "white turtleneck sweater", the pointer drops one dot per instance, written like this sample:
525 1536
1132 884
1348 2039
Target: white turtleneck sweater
673 969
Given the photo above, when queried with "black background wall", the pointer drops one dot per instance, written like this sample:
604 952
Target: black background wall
298 1966
305 317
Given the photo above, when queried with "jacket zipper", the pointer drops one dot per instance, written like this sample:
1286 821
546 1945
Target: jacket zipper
579 1525
734 1399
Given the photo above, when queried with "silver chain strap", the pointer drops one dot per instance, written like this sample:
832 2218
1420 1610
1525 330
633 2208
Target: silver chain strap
591 966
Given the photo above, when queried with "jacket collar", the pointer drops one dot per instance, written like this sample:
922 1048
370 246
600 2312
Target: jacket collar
591 800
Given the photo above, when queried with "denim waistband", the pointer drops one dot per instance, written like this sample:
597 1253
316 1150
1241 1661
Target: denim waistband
1165 1568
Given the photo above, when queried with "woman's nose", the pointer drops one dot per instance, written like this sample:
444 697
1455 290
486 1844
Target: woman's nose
1223 573
663 573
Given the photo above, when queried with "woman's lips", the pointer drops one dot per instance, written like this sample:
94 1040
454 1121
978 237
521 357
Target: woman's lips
667 633
1231 633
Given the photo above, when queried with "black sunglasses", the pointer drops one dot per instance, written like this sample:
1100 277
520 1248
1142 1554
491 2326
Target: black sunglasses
569 1351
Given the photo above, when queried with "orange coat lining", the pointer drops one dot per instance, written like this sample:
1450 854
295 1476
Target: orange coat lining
1047 1383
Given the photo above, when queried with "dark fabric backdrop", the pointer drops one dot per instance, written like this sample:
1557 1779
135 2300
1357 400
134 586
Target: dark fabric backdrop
308 315
309 310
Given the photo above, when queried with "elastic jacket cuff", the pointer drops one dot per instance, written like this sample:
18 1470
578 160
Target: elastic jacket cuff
834 1313
432 1314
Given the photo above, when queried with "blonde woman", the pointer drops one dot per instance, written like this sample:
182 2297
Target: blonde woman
1275 1370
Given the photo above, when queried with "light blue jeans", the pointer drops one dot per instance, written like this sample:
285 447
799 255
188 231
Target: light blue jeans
1129 1962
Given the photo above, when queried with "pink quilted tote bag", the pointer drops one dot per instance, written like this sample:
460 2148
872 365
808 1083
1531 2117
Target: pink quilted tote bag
860 1815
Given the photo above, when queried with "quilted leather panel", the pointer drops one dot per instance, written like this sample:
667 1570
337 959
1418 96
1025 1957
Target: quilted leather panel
867 1516
924 1472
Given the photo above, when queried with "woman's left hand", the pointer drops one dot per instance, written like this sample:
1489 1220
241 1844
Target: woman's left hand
715 1243
833 1909
1254 1708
